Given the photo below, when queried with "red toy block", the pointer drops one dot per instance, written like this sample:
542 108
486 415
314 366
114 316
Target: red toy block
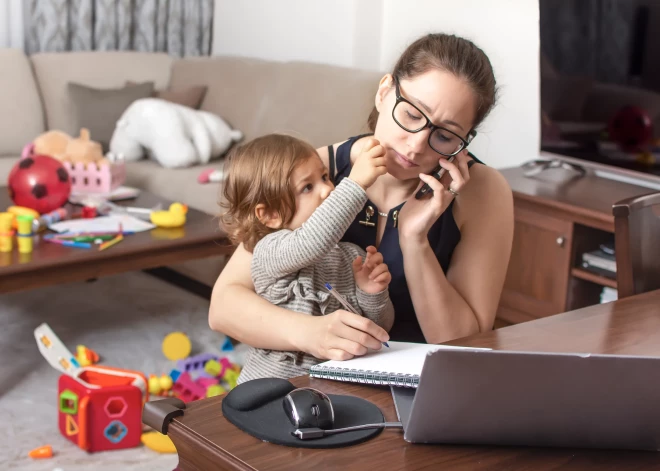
102 410
187 390
206 382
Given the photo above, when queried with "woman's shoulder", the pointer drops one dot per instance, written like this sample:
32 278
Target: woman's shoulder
487 191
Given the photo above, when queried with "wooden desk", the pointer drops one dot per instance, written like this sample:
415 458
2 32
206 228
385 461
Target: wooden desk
205 440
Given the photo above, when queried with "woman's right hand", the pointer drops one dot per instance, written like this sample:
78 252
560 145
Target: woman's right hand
342 335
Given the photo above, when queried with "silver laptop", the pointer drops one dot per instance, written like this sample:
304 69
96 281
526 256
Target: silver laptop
491 397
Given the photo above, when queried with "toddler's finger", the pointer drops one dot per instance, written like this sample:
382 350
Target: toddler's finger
384 278
357 264
379 270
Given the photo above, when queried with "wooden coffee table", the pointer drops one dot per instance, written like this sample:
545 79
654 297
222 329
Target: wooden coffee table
50 264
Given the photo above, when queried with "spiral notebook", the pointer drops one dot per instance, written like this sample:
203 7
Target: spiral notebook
399 365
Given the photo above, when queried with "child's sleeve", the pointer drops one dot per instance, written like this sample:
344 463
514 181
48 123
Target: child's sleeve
377 307
286 251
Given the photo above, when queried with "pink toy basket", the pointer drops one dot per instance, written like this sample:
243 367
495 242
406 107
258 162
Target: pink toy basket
91 178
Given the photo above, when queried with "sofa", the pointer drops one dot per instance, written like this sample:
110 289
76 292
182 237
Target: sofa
321 103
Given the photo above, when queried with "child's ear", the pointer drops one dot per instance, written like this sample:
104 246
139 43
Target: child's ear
268 218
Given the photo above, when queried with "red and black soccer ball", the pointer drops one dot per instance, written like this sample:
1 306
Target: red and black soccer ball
39 182
631 127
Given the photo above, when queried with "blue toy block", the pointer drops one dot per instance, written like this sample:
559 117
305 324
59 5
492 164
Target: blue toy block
227 345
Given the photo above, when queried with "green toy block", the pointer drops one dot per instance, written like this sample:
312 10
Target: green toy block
231 376
213 368
68 402
214 390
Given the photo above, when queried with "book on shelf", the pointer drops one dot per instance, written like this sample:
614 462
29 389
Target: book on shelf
600 260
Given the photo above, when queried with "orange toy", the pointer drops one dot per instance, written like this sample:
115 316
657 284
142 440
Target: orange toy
45 451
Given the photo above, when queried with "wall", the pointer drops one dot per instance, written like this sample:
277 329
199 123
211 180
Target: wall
370 34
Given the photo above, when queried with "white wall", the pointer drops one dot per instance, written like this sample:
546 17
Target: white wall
11 23
370 34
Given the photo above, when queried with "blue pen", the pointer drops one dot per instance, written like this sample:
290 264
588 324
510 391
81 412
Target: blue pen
345 303
70 243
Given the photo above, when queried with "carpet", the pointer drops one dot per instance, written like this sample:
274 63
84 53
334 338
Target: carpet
124 318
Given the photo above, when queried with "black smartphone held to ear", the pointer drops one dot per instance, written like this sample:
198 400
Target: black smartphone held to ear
437 173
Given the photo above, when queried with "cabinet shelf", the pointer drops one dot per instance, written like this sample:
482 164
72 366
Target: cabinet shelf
592 277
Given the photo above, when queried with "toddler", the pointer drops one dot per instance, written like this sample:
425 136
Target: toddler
281 204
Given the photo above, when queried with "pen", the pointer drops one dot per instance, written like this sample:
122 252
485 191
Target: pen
345 303
70 243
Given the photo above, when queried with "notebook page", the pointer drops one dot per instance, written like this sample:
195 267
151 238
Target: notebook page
400 358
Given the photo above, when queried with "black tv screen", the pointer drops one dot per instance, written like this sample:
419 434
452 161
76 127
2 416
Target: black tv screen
600 83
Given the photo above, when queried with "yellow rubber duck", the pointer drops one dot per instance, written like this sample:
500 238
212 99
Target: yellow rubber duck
174 217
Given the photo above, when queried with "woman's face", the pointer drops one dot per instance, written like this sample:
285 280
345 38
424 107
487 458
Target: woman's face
444 98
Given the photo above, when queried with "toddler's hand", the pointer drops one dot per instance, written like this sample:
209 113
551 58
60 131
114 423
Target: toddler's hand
369 165
373 276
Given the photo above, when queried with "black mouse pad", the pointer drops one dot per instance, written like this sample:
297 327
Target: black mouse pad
256 408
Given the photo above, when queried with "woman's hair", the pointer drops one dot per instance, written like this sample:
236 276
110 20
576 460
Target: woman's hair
451 54
259 172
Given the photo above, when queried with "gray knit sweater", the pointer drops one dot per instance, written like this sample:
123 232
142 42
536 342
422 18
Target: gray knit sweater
290 269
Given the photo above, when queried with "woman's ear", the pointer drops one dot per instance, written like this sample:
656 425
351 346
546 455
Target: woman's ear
383 87
268 218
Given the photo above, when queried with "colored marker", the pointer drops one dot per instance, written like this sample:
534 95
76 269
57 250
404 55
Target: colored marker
345 303
70 243
112 242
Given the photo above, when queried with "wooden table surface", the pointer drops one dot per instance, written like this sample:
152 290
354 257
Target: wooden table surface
205 440
50 263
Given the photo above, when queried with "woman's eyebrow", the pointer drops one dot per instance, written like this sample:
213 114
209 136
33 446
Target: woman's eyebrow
430 111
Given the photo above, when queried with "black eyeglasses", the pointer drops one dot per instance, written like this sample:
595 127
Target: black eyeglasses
411 119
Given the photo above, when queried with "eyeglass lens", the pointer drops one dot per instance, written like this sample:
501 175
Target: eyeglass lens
412 120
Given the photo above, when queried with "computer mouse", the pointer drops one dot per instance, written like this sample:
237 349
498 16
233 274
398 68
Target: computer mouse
309 407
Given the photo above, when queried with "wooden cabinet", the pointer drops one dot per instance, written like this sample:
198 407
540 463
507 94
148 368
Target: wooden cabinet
557 219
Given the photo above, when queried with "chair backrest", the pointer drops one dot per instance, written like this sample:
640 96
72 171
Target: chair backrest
637 244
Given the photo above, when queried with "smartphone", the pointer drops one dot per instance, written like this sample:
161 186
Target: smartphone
437 173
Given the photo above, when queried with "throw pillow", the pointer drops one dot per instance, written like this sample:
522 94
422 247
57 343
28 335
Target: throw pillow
99 109
191 97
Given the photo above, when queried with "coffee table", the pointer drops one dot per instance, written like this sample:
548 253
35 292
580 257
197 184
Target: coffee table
51 264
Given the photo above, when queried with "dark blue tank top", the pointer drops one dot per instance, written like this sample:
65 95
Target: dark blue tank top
443 237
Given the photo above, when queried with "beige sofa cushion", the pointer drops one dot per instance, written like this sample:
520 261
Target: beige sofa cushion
21 118
177 184
323 104
99 69
238 88
6 164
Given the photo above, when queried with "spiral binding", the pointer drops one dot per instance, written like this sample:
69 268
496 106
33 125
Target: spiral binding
382 378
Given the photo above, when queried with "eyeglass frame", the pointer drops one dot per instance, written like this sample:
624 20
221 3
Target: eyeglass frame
471 134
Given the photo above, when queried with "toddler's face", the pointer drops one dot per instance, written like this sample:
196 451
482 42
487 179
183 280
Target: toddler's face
311 185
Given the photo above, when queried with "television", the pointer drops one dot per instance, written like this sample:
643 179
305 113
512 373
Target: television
600 88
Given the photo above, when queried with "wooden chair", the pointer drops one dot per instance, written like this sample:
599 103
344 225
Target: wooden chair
637 244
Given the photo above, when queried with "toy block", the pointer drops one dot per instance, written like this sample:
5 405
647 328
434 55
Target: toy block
231 376
227 346
215 390
213 368
206 382
186 389
195 362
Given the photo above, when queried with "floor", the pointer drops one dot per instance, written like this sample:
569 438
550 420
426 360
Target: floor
124 318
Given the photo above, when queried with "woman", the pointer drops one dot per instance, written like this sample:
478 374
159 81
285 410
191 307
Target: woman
448 253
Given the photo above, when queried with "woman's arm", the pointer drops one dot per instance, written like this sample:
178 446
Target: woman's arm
236 310
464 301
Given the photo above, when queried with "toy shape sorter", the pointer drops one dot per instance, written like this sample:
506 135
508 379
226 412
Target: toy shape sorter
100 408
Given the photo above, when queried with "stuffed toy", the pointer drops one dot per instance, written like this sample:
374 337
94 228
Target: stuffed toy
65 148
174 135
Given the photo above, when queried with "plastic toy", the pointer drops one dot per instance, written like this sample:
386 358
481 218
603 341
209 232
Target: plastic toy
41 452
176 346
100 408
39 182
227 346
156 441
188 390
195 363
174 217
6 232
24 233
86 356
215 390
211 175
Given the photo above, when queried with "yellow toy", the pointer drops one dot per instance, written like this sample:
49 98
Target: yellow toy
6 232
158 442
18 210
154 385
176 346
24 233
174 217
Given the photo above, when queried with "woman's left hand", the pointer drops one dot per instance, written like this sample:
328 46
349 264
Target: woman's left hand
417 216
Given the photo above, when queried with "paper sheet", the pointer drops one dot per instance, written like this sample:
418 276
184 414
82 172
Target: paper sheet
103 224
